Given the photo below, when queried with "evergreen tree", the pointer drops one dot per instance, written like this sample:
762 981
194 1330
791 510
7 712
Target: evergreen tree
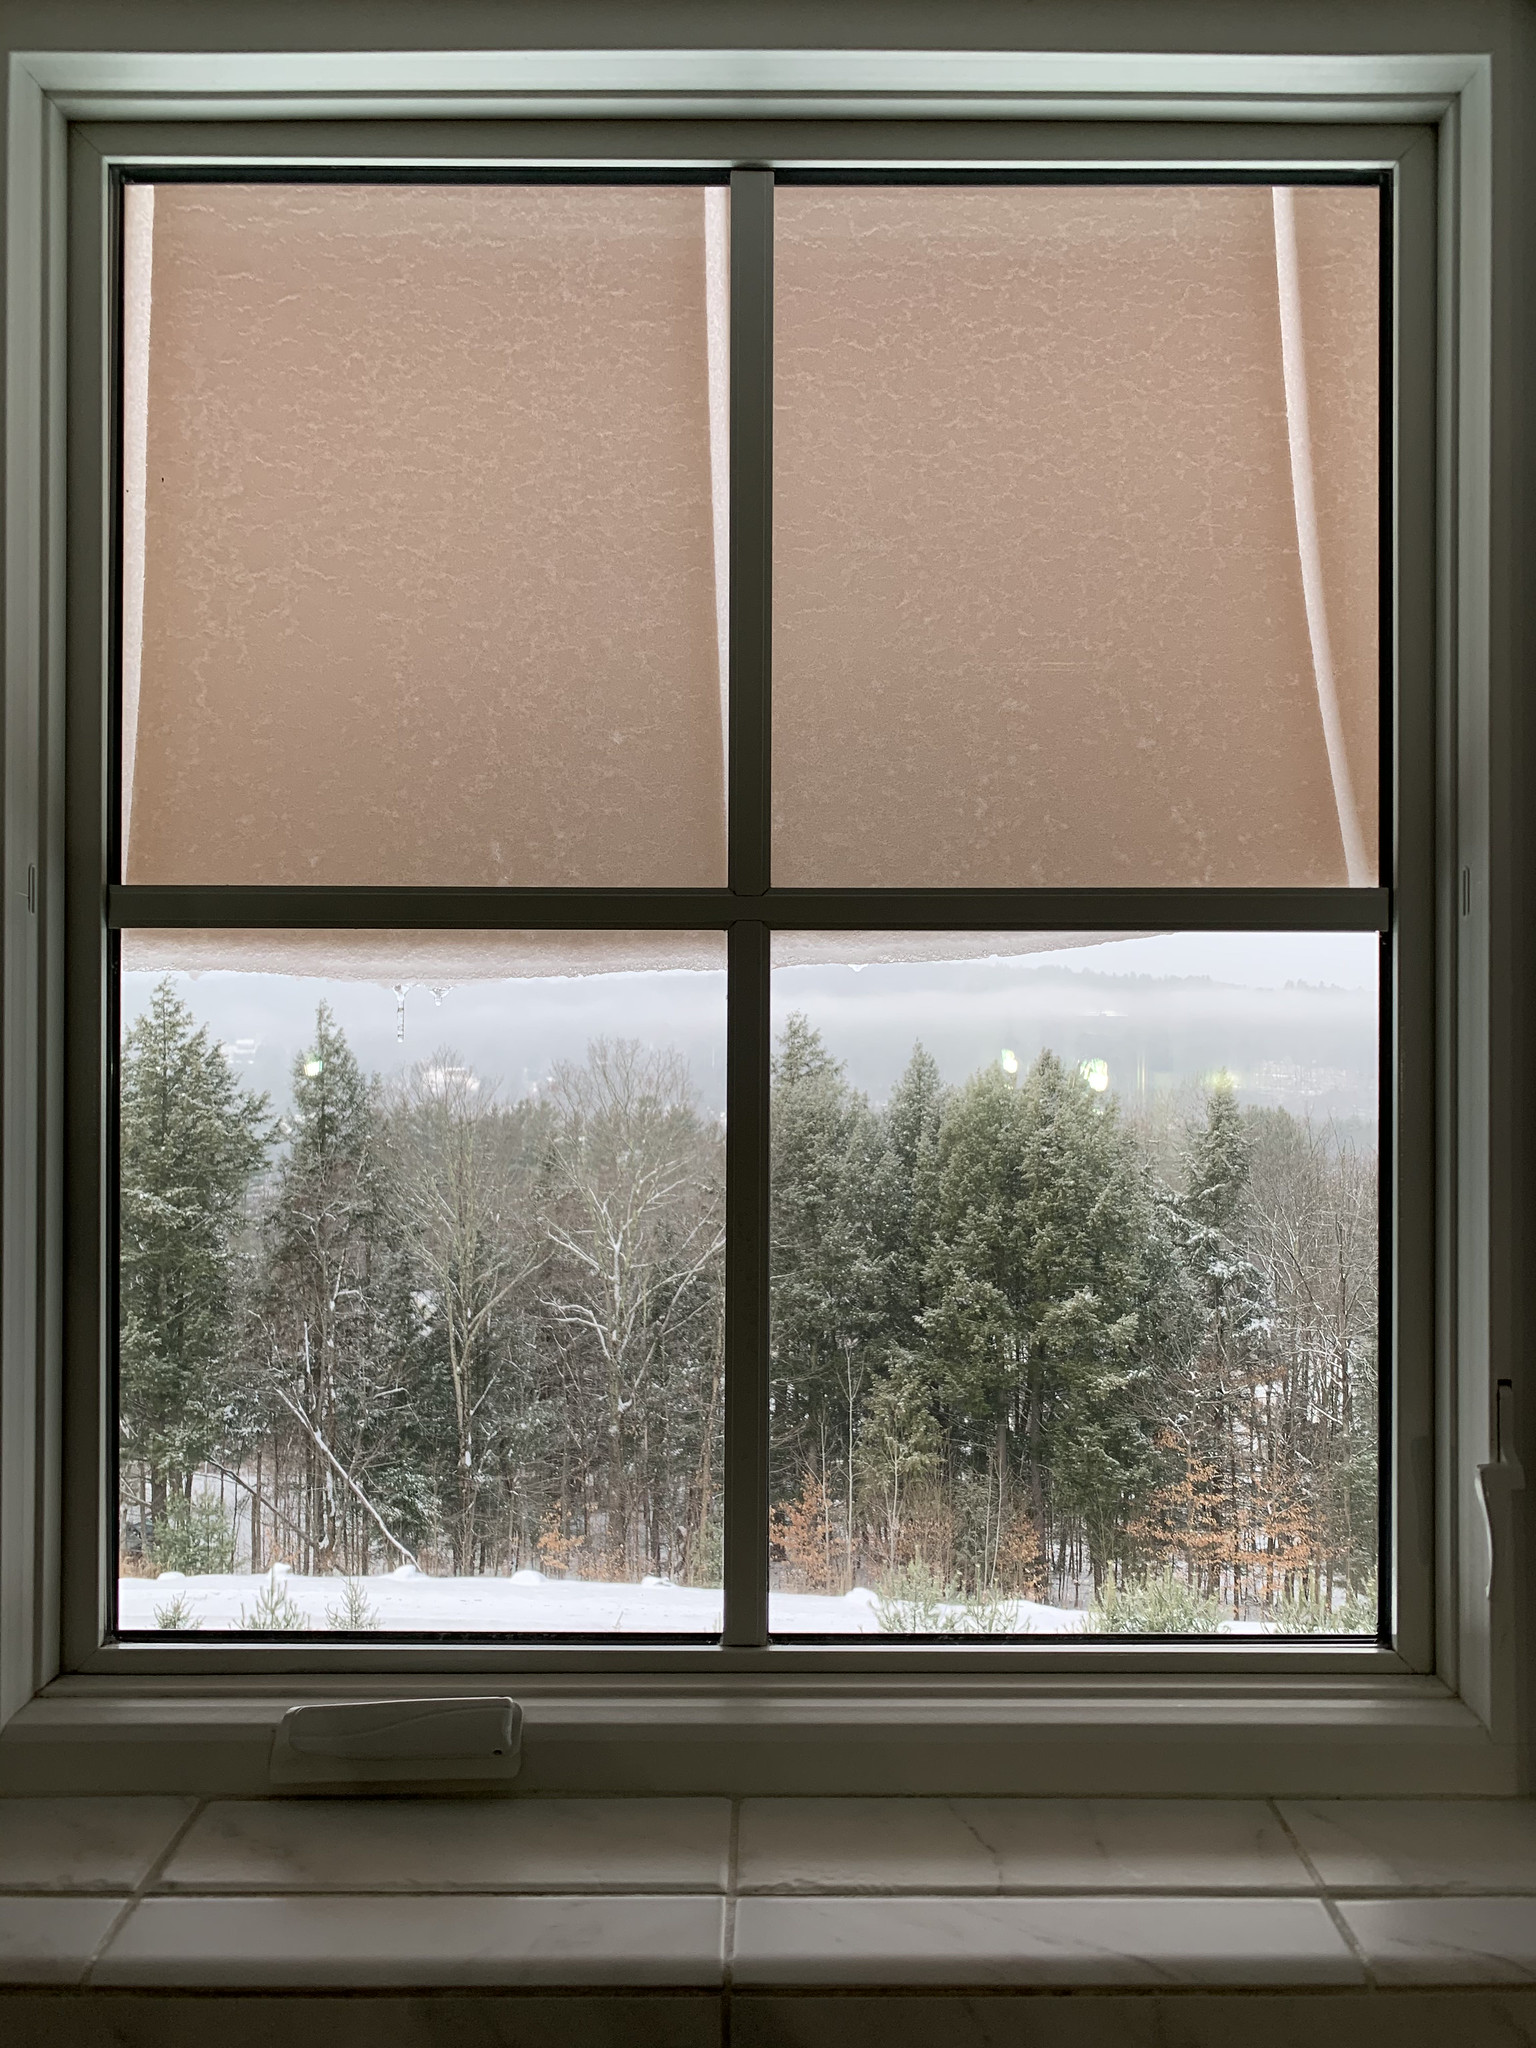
190 1141
899 1201
826 1269
1219 1161
1039 1284
1223 1398
321 1312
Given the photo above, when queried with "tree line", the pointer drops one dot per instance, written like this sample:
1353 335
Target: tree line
415 1324
1023 1344
1031 1346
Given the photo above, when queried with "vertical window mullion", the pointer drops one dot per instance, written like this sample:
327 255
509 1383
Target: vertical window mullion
746 1287
747 1030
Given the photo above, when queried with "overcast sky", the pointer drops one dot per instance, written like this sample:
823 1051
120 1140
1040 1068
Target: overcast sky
1292 1017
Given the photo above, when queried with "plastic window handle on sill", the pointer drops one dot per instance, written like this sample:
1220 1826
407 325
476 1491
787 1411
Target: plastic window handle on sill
393 1740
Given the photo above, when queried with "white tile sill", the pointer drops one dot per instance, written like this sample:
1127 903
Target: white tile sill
424 1942
767 1895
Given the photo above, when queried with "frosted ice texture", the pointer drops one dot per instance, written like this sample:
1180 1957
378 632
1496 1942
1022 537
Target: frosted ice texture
1038 606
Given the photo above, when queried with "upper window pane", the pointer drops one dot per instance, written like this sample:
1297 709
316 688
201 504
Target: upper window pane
1075 535
424 531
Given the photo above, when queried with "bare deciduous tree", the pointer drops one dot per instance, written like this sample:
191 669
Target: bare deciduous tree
636 1232
458 1203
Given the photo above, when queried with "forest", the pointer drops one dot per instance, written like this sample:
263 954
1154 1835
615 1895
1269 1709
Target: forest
1024 1343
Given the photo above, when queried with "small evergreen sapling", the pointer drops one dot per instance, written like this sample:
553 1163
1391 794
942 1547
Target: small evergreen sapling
177 1615
276 1611
918 1601
354 1612
1301 1615
1158 1604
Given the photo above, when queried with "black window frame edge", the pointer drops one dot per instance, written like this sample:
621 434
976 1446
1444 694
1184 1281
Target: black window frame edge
750 908
34 997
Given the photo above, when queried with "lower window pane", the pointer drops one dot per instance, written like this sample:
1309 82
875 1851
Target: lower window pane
420 1283
1075 1295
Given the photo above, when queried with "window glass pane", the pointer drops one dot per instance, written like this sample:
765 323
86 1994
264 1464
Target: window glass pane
1075 535
1074 1286
421 1282
424 534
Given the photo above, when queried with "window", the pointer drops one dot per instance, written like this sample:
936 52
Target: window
1422 915
434 531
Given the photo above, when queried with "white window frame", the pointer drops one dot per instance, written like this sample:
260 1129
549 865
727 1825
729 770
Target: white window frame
1113 1717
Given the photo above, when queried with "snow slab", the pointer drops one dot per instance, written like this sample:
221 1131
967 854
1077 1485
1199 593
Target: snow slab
523 1604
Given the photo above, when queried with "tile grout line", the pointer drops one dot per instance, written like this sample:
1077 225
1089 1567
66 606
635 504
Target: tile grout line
1120 1893
1330 1906
140 1891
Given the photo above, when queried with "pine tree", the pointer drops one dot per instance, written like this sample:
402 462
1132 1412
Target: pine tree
1039 1288
1219 1161
322 1301
1226 1400
825 1265
900 1198
190 1141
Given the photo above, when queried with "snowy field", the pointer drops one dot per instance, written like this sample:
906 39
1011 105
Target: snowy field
525 1604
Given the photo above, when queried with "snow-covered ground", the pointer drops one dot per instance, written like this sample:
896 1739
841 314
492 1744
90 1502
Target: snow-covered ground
529 1604
525 1604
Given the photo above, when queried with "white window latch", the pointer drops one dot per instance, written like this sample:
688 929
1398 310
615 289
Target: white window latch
371 1743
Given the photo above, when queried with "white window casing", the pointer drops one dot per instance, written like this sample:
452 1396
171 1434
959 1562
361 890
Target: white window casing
1437 1712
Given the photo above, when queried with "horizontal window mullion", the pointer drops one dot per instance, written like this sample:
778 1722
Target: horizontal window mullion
137 907
190 907
1109 910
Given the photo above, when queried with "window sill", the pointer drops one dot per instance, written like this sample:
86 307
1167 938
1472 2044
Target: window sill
1195 1736
709 1895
